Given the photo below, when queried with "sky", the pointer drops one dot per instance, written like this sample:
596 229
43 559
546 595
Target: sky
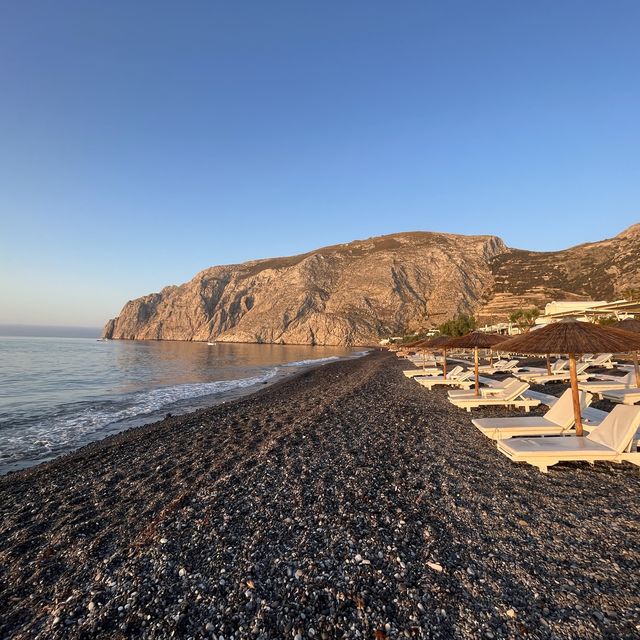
141 142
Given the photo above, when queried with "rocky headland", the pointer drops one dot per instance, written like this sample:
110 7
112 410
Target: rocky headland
357 293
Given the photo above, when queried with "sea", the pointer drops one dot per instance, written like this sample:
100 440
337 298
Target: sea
60 393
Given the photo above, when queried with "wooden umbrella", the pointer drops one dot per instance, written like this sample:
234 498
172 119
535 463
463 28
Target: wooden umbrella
440 342
573 338
475 340
630 324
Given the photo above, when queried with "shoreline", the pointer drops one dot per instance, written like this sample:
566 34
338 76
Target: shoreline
343 501
180 407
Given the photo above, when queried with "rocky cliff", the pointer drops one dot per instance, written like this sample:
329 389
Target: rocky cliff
355 293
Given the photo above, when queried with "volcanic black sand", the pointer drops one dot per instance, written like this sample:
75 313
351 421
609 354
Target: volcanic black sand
347 502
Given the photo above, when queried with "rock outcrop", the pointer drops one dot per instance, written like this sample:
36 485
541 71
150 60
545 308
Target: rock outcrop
356 293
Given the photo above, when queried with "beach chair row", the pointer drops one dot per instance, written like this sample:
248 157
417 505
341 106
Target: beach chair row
543 441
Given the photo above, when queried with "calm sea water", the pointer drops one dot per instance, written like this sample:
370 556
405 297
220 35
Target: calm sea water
57 394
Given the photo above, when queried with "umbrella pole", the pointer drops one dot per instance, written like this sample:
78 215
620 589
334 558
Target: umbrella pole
636 366
475 359
548 365
574 393
444 364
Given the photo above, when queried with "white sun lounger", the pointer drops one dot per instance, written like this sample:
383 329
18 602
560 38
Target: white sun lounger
625 396
612 441
555 422
509 396
602 360
495 386
598 387
506 366
530 372
463 379
429 371
591 417
562 376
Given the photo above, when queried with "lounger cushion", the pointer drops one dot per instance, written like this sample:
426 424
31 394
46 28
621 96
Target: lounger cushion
528 422
562 447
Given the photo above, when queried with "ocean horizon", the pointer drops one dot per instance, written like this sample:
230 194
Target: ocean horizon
48 331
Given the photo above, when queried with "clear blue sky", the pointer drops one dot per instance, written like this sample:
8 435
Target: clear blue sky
143 141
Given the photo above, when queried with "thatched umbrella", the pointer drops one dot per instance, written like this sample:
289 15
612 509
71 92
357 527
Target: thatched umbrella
630 324
573 338
440 342
475 340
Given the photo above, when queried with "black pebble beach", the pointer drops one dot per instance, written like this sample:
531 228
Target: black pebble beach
347 502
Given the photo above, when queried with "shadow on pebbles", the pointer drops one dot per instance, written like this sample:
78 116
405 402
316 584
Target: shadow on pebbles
347 502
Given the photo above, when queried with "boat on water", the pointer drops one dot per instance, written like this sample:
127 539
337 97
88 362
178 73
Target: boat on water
211 344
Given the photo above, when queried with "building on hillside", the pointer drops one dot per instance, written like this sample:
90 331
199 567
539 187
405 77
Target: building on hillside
588 310
583 311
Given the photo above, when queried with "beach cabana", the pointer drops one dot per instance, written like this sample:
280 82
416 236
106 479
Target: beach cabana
573 338
475 340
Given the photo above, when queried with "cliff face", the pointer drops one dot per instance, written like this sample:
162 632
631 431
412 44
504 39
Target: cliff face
595 271
348 294
353 294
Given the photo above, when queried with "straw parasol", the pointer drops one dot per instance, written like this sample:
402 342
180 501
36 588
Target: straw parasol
633 325
573 337
475 340
440 342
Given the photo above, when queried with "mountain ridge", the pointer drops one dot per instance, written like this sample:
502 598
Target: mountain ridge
357 292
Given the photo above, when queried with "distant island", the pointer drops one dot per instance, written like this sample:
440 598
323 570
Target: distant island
360 292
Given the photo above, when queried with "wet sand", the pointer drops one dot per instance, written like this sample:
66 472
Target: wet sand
346 502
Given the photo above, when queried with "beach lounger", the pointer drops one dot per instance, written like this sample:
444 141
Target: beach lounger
453 373
598 387
555 422
494 386
412 373
508 396
591 416
498 364
624 396
463 379
612 441
562 376
420 362
602 360
504 366
531 372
